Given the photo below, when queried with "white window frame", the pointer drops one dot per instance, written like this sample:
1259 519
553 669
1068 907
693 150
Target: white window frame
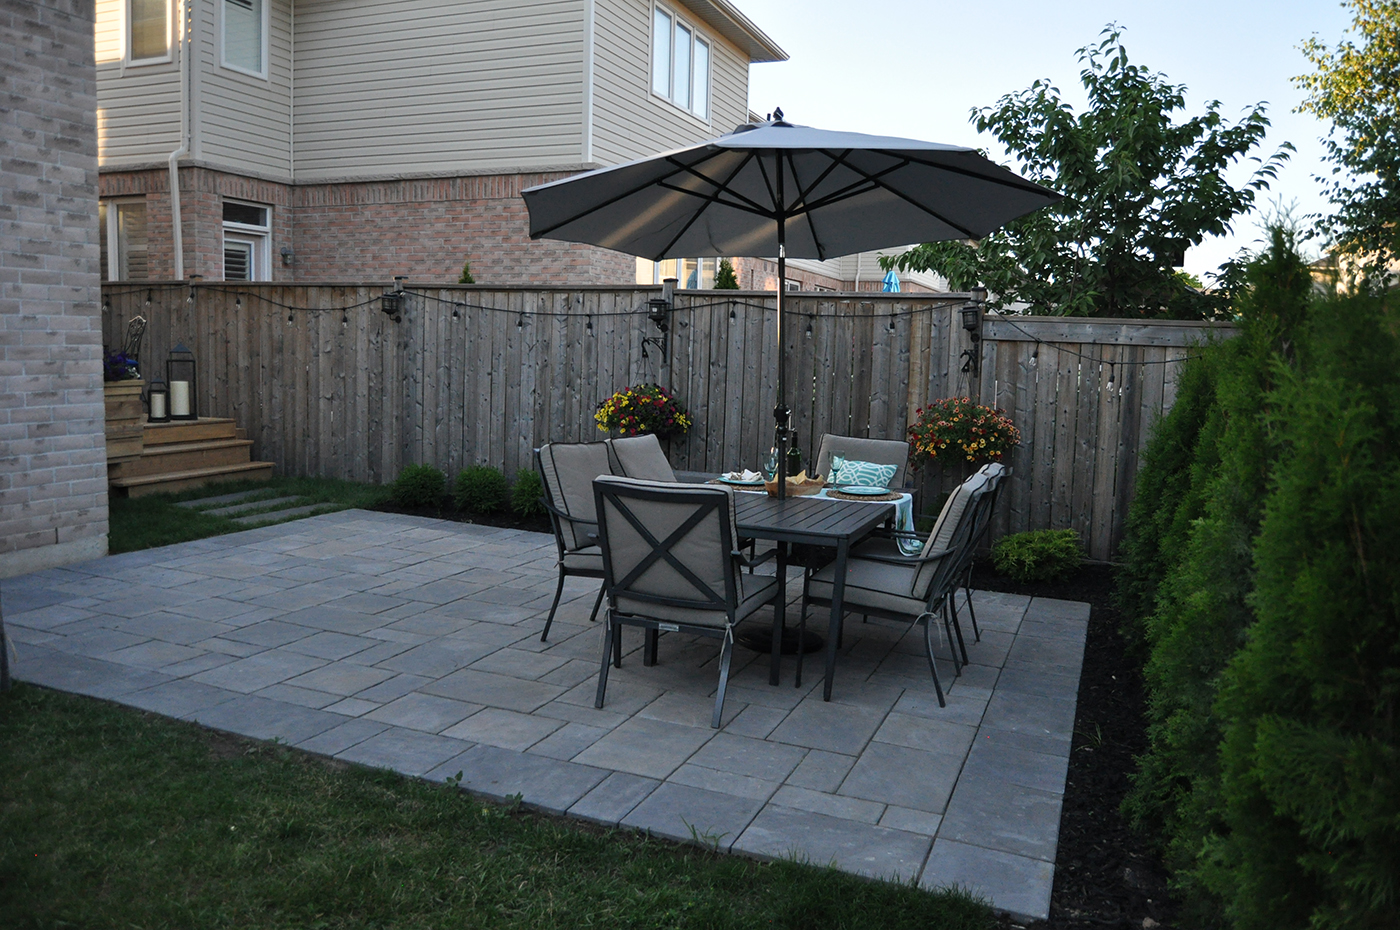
697 37
262 53
114 249
130 62
259 238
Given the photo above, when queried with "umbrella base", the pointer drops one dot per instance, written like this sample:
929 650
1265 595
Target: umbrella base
760 639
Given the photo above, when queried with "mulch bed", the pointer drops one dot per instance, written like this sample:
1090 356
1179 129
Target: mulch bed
1106 876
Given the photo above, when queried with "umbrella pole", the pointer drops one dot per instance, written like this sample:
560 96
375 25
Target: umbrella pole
782 415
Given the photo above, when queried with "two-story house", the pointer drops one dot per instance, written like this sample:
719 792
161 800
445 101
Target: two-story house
351 140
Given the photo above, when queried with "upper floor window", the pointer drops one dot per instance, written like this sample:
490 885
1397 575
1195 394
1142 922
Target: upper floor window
147 30
680 63
121 226
245 36
247 241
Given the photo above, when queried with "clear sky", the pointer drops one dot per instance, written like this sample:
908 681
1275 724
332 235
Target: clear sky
916 68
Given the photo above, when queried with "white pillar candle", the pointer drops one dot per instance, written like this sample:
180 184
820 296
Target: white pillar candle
179 398
157 406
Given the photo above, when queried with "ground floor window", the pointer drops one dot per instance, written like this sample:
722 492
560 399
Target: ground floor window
122 234
688 272
247 241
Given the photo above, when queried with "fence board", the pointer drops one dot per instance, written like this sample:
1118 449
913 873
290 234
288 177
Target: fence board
519 367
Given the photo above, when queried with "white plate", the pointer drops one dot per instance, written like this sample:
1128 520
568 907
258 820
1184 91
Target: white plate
861 490
756 482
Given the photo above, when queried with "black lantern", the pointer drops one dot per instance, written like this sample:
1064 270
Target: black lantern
972 322
158 401
180 373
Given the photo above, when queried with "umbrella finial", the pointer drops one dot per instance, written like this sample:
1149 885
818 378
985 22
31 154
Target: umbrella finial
777 115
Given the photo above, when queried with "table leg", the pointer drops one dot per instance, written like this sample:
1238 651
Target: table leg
838 596
775 660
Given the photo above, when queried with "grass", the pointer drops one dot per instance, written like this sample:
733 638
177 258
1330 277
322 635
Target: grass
144 522
116 818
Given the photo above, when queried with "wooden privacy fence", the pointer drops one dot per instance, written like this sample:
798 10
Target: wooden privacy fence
326 383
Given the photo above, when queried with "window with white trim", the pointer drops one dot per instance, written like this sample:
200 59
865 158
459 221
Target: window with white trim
121 228
147 31
245 36
247 241
689 272
680 63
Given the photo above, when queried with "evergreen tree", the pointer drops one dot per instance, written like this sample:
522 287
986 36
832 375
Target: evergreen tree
725 279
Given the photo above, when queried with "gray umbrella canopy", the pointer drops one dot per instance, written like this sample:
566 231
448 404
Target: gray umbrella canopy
817 193
791 191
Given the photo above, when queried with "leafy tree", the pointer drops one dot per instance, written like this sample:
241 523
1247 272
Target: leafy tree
1357 87
1140 188
725 279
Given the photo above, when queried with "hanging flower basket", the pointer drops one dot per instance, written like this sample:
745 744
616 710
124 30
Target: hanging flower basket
643 408
955 431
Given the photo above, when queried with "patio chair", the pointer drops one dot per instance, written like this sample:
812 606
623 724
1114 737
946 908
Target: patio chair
640 457
853 448
670 564
882 583
568 470
995 473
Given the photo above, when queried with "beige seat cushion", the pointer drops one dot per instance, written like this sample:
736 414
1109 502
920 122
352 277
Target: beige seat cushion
568 470
854 448
754 592
870 584
588 559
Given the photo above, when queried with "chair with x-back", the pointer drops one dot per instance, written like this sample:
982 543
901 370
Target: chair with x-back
670 565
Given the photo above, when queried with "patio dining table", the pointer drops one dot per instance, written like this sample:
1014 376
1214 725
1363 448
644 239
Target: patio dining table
835 524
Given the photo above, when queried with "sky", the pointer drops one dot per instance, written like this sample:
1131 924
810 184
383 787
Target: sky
916 68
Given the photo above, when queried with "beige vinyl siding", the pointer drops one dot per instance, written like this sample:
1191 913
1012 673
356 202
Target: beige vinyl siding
387 87
629 120
244 121
138 108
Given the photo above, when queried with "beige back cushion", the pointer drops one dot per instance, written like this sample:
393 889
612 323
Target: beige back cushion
880 451
703 549
641 457
568 470
942 534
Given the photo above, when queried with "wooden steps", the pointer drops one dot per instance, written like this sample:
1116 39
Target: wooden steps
187 454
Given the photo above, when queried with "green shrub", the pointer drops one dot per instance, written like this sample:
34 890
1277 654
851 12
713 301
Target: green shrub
1040 555
725 279
481 489
525 496
419 486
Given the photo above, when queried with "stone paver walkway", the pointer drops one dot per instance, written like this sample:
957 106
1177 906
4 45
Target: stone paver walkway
413 644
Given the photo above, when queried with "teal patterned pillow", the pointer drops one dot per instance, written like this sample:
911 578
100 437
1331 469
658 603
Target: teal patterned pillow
866 474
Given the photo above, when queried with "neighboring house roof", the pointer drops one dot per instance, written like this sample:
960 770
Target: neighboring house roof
723 17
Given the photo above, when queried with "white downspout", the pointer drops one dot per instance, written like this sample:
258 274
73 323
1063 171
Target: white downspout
176 229
857 281
589 15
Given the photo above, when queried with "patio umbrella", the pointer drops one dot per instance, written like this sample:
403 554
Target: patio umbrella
891 282
775 188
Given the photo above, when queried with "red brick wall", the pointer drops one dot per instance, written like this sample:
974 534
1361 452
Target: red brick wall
370 231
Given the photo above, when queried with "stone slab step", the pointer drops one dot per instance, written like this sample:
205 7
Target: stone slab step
141 485
204 428
253 518
184 456
221 499
250 505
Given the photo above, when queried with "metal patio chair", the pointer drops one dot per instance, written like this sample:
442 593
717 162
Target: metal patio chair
670 565
882 583
567 470
853 448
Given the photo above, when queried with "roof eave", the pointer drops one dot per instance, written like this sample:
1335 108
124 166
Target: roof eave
725 18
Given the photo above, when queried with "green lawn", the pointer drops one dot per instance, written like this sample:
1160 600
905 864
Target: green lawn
143 522
110 817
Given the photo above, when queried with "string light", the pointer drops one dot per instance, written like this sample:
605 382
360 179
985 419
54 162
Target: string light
1035 356
1110 377
455 314
238 302
344 317
520 321
289 316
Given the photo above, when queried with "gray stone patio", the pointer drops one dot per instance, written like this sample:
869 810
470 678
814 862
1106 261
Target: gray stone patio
413 644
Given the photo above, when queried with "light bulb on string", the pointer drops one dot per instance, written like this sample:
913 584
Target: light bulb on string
1035 356
1110 377
289 316
520 322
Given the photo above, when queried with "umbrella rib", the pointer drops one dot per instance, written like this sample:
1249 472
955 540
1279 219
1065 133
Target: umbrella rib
722 188
742 204
802 199
614 199
1014 181
719 189
967 233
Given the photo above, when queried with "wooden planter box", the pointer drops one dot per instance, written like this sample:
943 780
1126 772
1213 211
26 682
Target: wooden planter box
126 420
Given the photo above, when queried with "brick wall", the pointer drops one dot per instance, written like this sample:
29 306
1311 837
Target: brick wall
369 231
53 459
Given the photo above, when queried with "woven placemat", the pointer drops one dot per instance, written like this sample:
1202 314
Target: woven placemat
873 498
